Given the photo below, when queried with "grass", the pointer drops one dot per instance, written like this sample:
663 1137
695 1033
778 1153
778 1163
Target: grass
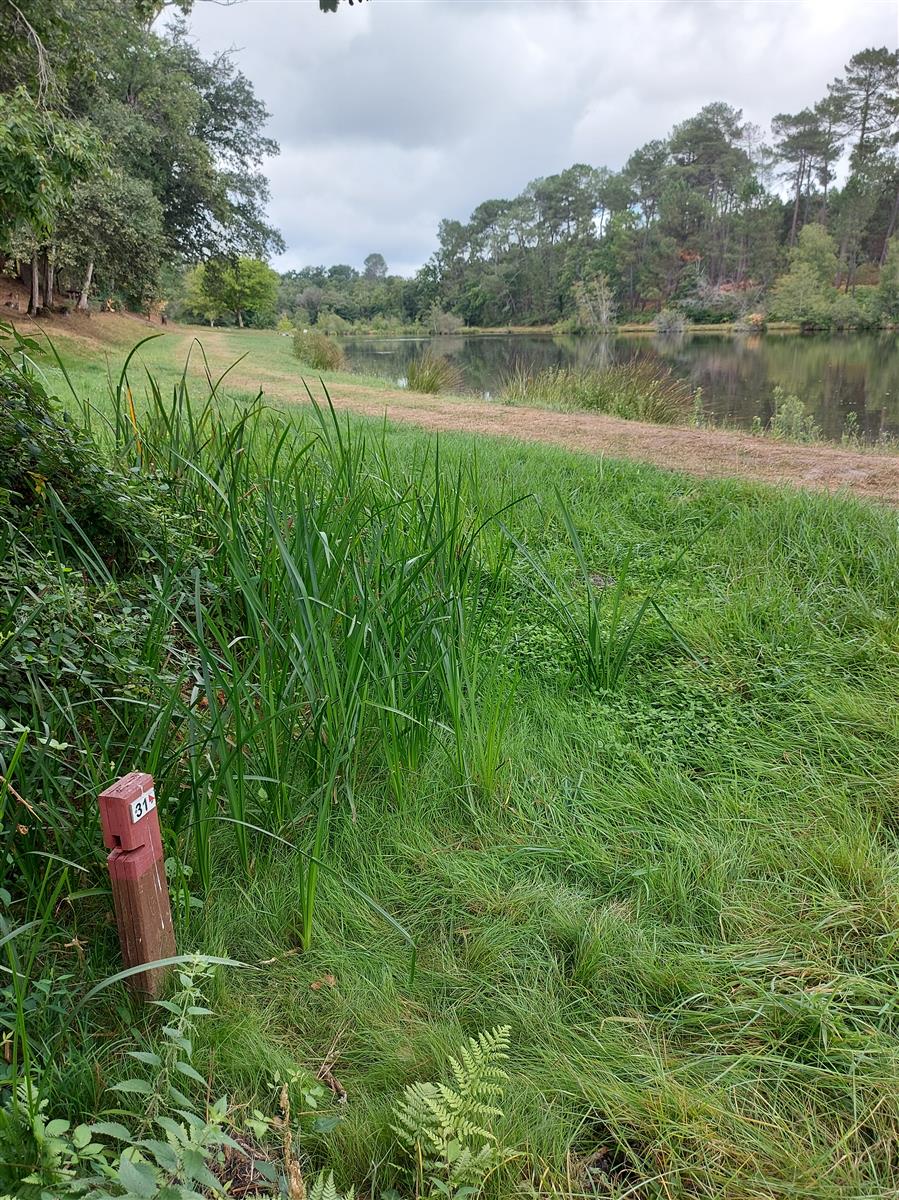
679 892
433 373
637 390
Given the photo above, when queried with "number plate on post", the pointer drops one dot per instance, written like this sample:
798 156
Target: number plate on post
142 805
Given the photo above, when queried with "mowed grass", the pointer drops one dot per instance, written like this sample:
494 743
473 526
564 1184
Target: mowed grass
681 894
263 354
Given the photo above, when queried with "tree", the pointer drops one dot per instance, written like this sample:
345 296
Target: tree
245 288
807 142
189 129
42 156
112 226
807 292
375 267
866 101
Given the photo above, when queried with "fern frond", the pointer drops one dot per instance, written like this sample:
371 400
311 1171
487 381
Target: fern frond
448 1128
325 1189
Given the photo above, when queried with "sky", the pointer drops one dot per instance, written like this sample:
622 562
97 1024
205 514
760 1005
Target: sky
395 113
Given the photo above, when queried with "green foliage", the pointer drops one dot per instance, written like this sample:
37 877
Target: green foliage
651 893
432 372
317 350
116 222
177 1144
888 285
597 617
806 294
790 421
324 1188
244 289
50 471
447 1128
42 157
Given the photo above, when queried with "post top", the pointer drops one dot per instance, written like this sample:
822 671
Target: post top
128 813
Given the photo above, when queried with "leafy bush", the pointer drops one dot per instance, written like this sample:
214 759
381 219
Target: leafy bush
432 373
790 422
315 349
638 390
47 466
441 322
332 323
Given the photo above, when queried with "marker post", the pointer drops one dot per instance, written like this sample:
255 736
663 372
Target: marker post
136 869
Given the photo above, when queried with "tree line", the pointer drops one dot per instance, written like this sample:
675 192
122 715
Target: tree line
695 220
132 167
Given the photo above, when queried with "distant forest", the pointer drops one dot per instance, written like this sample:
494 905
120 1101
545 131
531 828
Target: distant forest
131 175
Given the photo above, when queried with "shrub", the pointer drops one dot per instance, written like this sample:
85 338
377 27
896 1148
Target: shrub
315 349
441 322
333 323
669 320
846 312
790 421
49 467
432 373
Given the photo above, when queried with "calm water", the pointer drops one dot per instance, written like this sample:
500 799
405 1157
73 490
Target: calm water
835 376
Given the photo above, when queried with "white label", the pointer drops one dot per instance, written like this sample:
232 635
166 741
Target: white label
142 805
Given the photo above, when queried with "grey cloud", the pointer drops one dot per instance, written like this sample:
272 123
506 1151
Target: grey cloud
400 112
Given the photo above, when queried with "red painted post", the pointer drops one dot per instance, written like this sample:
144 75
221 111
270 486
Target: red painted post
137 872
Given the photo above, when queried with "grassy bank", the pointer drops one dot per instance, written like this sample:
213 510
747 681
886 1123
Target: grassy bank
654 839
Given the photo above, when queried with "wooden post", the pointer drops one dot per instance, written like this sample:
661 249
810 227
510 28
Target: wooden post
139 889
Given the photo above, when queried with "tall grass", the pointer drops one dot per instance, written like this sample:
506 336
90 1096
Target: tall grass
433 373
349 664
638 390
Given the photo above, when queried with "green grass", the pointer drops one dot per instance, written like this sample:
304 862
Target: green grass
680 894
431 372
637 390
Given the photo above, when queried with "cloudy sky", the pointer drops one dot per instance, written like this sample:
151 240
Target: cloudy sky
395 113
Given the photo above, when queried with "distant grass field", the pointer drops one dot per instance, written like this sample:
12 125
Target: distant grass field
682 894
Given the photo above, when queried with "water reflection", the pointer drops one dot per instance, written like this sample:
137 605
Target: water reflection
835 376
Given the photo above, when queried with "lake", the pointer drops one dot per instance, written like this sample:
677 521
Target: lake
835 376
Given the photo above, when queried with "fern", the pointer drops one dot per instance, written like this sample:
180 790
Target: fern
447 1127
324 1189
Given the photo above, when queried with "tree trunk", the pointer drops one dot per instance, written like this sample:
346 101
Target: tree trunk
239 316
799 175
49 276
34 300
86 287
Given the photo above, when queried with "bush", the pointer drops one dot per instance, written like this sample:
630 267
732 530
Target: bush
638 390
315 349
48 469
669 320
432 373
333 323
441 322
790 422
